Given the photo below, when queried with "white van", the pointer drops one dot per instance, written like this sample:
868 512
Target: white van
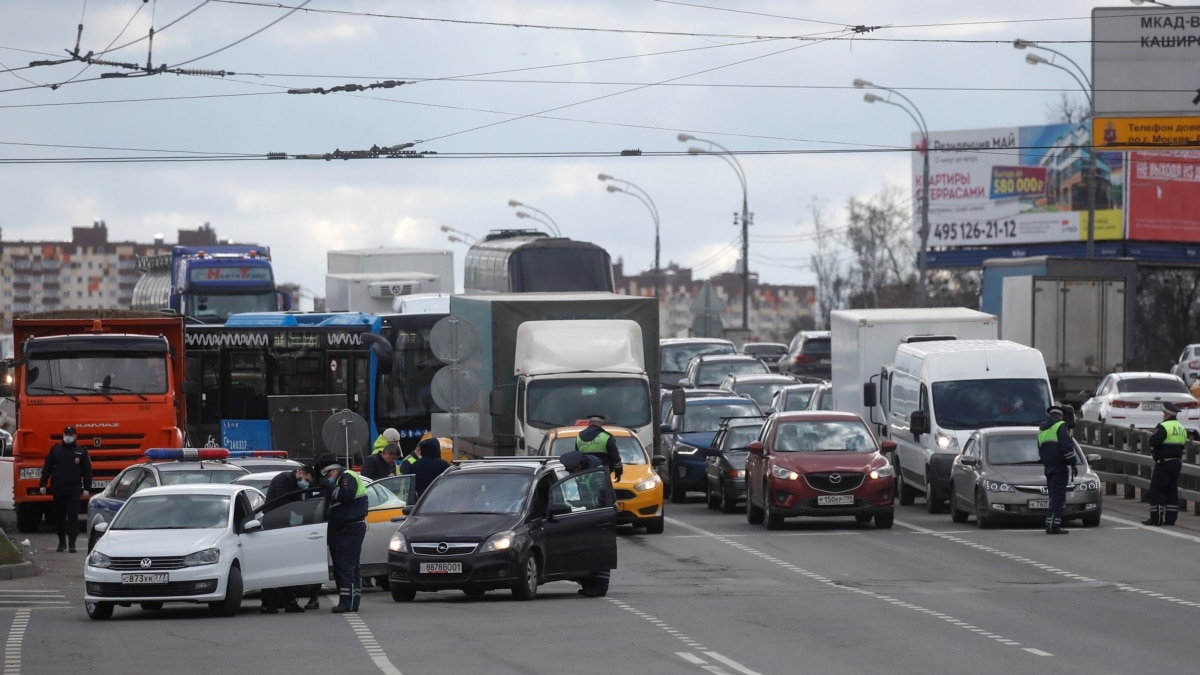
935 394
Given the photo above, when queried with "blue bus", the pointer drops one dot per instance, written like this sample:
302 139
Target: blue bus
267 380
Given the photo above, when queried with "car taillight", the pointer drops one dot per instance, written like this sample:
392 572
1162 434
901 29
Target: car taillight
805 358
1194 365
1189 404
1118 403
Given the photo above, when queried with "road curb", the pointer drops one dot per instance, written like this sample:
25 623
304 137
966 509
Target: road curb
20 570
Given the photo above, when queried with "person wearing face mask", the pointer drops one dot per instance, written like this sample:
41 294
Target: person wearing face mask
68 469
287 483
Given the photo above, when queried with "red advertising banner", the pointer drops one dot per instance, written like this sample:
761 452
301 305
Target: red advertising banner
1163 200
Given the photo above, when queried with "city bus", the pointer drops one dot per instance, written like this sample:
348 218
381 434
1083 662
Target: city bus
266 379
529 261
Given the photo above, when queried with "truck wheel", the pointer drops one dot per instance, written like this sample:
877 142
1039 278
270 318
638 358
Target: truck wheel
29 517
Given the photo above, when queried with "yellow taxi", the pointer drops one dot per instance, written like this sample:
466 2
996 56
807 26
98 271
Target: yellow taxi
640 490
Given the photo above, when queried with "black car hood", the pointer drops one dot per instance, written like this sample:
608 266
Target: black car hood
457 526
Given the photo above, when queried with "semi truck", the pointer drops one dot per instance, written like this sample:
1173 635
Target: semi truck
379 280
208 283
115 375
1079 313
550 359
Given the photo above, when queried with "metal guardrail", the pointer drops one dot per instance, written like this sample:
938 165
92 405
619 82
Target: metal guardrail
1126 462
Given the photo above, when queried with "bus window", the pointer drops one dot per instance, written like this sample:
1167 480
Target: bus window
298 375
247 390
360 397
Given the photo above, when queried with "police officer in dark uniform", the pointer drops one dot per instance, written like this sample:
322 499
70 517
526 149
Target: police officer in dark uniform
595 584
594 440
69 470
1057 453
1166 445
348 527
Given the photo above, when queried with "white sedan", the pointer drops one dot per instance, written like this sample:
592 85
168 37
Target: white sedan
203 543
1135 400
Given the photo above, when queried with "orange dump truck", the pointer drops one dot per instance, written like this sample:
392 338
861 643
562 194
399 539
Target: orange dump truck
117 376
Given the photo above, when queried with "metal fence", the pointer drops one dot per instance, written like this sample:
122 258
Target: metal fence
1125 462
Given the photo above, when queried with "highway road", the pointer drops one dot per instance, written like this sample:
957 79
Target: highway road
712 594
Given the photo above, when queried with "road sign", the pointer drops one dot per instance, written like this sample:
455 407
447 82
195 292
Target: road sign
1142 133
454 388
453 339
707 301
707 325
346 435
1146 61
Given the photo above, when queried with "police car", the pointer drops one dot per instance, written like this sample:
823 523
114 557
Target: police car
164 466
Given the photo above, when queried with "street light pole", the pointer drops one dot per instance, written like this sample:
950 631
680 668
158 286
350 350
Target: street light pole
645 199
915 113
731 160
551 224
1086 85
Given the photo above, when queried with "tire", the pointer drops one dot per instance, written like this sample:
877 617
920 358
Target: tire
29 517
150 606
1090 521
714 500
956 514
233 595
932 503
382 582
99 611
883 521
728 501
402 594
754 514
677 495
527 587
862 520
981 520
908 494
657 525
774 520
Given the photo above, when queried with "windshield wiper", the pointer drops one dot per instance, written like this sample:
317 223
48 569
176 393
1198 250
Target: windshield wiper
88 390
128 391
52 390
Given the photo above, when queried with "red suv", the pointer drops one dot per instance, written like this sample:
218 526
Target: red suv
818 463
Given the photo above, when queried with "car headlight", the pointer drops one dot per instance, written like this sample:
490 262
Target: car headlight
1088 486
98 559
682 450
997 486
499 542
947 443
397 543
882 472
209 556
784 474
648 484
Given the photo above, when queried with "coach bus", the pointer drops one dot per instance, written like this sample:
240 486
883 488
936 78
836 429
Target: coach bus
339 360
529 261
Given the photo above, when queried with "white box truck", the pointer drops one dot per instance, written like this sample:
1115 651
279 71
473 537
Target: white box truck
371 279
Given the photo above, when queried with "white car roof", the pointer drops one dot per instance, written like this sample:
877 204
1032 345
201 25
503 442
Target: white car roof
193 489
1128 375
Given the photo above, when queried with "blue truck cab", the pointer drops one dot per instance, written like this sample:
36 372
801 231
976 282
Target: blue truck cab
209 283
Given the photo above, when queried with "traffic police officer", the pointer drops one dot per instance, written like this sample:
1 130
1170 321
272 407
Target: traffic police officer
1057 453
68 468
595 584
348 526
1166 444
594 440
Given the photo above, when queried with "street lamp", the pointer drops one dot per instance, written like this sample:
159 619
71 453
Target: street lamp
1152 2
459 240
548 222
1085 84
645 199
452 231
915 113
731 160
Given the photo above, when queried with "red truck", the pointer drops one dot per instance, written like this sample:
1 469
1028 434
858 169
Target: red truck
117 376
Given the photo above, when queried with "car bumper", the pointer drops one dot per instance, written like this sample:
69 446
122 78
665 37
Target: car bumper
688 472
794 498
638 507
735 487
1021 506
204 583
486 571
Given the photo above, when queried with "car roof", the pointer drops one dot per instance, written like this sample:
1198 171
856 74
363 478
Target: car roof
191 465
522 465
721 400
193 489
776 345
282 462
706 358
802 386
762 377
259 475
817 416
1126 375
666 342
1007 431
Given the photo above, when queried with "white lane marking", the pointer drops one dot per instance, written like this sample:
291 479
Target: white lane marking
842 587
731 663
1168 531
12 648
687 656
1037 652
370 644
1064 573
691 658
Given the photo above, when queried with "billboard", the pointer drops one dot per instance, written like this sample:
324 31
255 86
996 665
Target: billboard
1144 60
1164 196
1016 185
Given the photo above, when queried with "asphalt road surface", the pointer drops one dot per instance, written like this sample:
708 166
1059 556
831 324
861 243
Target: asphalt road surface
712 594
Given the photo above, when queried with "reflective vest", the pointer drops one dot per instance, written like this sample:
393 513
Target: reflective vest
596 446
1050 434
1176 434
361 490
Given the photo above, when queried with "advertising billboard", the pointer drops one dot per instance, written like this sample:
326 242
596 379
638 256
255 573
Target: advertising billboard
1164 196
1016 185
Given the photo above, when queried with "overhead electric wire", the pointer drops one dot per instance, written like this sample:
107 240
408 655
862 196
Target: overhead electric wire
240 41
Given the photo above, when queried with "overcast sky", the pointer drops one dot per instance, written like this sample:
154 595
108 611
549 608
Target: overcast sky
526 100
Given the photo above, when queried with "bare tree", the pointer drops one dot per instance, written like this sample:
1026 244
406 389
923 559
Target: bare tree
879 235
1168 316
826 264
1067 110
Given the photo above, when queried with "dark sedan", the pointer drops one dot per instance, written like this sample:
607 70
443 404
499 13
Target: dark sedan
725 463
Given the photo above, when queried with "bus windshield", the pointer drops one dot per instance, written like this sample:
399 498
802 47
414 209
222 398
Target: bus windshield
975 404
624 402
96 373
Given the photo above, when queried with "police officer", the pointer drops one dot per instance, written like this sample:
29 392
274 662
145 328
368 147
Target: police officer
1057 453
1166 445
594 440
595 584
68 468
348 526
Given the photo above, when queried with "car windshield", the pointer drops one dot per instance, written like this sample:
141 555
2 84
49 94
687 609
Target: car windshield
189 477
467 492
625 402
707 417
173 512
740 437
675 358
797 398
976 404
823 435
1013 449
629 447
761 392
711 374
1151 385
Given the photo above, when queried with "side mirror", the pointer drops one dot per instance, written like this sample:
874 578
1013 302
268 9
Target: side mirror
683 382
679 400
559 510
1086 393
869 397
712 452
252 525
770 411
381 348
755 448
495 402
888 446
918 423
520 443
968 461
666 429
100 527
657 461
1093 457
398 519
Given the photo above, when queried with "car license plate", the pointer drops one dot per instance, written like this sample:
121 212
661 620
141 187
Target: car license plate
1042 504
835 500
99 484
1152 406
145 578
441 568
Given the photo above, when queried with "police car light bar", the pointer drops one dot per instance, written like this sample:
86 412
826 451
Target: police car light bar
258 453
187 453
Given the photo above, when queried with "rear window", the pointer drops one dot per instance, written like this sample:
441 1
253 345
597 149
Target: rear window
711 374
816 346
701 417
798 399
675 358
1151 385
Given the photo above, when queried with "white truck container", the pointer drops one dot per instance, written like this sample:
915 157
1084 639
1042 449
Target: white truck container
570 369
864 340
369 280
